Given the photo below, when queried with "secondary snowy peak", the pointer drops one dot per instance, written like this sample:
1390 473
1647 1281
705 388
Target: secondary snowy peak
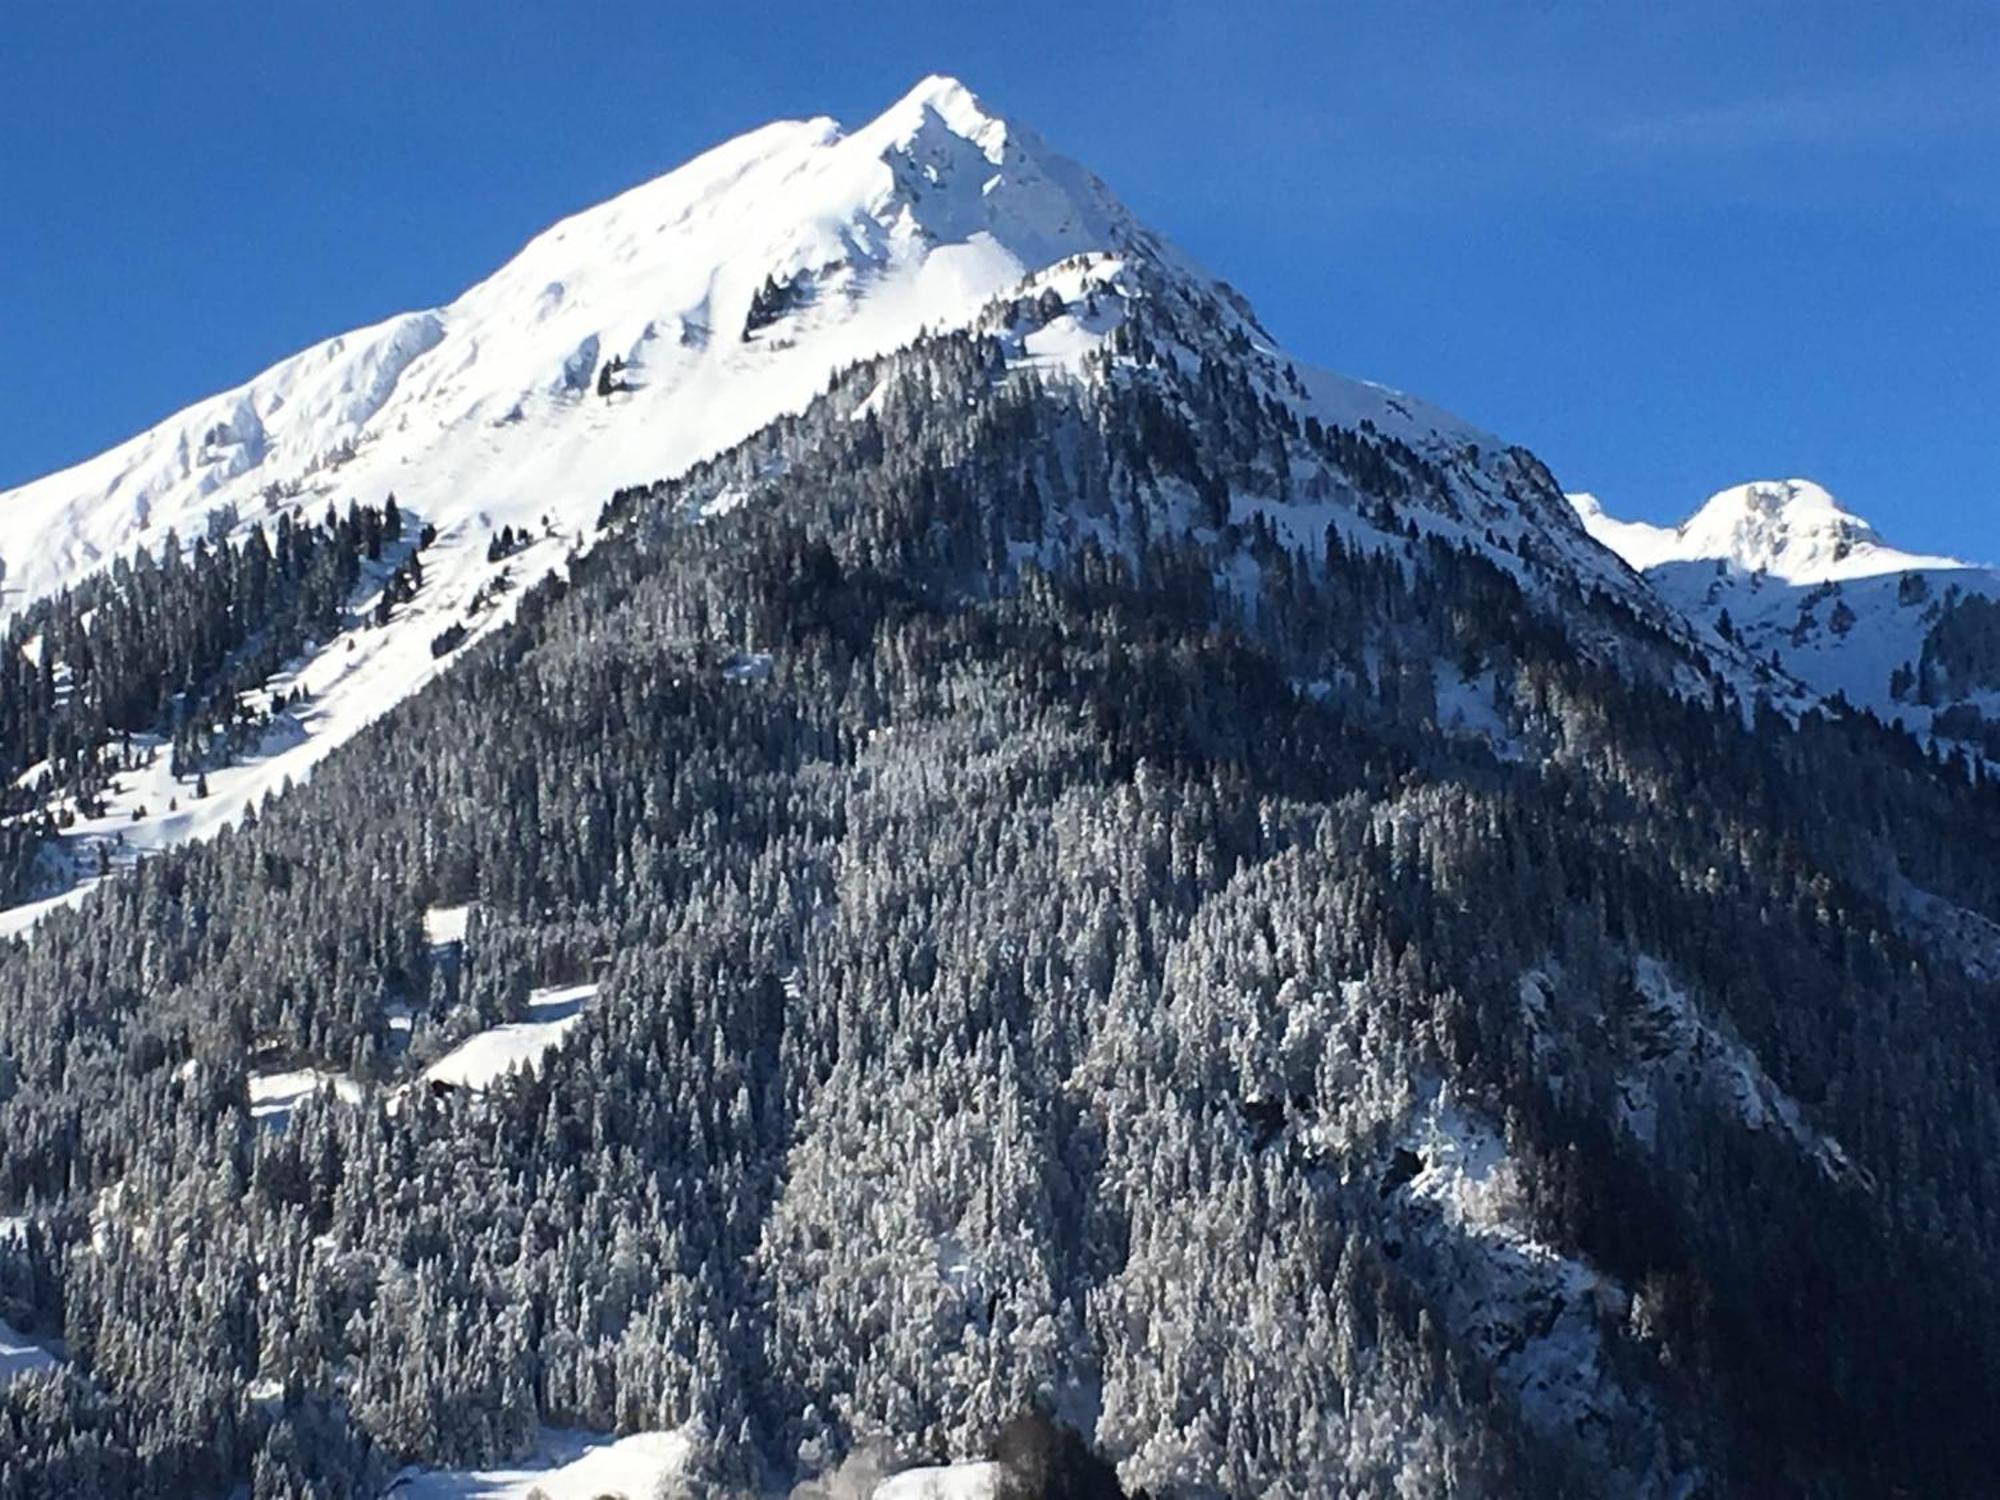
1790 529
1785 571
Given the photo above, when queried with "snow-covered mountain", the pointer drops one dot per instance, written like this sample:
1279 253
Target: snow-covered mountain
1058 905
637 338
619 346
484 411
1790 529
1782 568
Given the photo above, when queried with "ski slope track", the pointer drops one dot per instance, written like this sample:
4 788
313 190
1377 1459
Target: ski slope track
622 346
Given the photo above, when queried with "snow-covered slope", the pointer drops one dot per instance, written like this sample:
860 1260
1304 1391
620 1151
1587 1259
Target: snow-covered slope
564 1466
1637 542
1790 529
1789 573
477 1061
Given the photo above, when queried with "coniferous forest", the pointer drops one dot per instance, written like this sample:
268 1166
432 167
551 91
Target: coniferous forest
1066 954
165 650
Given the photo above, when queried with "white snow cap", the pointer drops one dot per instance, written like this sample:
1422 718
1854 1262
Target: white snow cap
486 408
1792 529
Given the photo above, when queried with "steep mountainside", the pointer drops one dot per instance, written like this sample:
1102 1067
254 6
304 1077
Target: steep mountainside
618 347
1779 568
1088 899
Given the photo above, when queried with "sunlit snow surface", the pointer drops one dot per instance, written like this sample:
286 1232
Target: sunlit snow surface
565 1466
21 1355
484 410
477 1061
473 1064
445 925
569 1465
273 1096
968 1481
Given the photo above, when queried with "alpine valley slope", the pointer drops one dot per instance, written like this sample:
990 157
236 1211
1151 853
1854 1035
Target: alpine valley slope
619 347
1782 569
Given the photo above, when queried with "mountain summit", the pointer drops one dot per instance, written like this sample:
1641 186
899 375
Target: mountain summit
725 292
1791 529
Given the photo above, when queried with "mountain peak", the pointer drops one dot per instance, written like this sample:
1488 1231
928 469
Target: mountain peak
618 346
731 286
1785 571
1792 529
1794 500
945 97
938 106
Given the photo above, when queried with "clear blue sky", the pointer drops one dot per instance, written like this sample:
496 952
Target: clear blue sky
1670 247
